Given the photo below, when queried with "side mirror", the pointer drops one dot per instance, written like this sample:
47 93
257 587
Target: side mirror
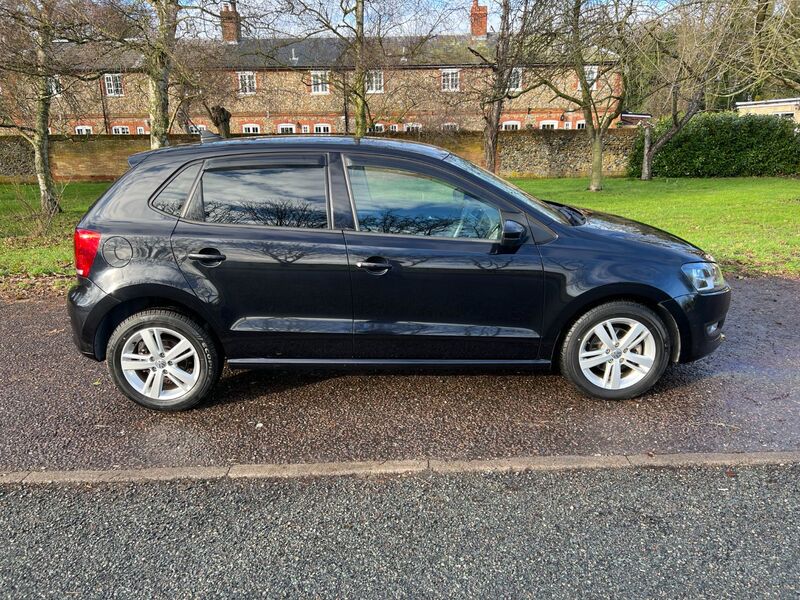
513 235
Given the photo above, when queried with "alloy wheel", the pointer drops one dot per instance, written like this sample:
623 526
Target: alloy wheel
617 353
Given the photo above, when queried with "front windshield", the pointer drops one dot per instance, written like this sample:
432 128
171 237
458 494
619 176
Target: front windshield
537 205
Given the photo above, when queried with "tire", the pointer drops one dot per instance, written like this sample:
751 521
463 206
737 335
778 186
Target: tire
149 377
589 345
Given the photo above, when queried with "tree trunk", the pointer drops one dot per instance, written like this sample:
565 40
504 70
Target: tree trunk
41 136
221 118
647 155
360 75
491 129
596 178
159 70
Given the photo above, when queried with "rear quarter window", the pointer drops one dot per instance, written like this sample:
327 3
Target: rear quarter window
174 195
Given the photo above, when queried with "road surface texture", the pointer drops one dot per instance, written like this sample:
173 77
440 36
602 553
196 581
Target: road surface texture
646 533
60 410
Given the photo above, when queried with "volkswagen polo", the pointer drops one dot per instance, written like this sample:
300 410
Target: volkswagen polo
334 251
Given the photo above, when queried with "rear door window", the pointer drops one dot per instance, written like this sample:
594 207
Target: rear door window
271 195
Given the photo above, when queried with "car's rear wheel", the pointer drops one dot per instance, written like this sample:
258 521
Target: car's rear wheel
616 351
163 360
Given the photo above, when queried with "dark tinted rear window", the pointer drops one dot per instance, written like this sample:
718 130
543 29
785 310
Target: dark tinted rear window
172 198
275 196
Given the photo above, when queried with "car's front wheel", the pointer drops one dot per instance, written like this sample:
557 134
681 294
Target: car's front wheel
616 351
163 360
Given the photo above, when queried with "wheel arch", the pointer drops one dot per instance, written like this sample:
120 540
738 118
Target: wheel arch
648 296
135 299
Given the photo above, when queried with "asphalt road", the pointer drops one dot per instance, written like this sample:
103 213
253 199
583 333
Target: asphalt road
60 411
649 533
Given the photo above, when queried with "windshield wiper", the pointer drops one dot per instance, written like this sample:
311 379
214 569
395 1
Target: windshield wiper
573 215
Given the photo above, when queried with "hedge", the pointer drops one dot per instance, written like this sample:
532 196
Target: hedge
724 145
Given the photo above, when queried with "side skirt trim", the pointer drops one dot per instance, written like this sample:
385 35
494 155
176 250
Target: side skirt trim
237 363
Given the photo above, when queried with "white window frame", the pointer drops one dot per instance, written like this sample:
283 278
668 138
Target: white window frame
83 130
252 127
518 87
450 126
196 129
511 125
113 85
410 127
567 125
580 124
322 126
290 126
548 124
320 83
394 128
586 70
374 83
54 87
120 130
448 76
377 128
305 128
245 79
140 131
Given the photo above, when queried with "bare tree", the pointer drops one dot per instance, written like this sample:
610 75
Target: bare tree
39 62
689 47
371 35
519 40
591 42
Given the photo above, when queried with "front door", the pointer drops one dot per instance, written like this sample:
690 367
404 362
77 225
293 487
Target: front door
429 280
256 246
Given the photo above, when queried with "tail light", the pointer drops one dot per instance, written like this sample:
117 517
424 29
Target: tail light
86 245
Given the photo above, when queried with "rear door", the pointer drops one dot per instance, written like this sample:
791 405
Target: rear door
429 280
255 243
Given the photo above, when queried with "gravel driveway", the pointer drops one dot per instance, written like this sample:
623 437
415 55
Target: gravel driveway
60 410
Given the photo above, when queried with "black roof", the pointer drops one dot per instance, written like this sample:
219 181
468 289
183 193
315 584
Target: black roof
291 142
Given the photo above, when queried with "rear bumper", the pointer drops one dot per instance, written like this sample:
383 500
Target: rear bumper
87 305
700 318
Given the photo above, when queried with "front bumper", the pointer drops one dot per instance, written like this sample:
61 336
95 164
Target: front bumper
700 318
87 304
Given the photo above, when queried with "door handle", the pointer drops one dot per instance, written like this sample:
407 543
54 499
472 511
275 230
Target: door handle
208 256
375 265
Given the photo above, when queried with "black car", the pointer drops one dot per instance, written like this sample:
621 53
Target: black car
323 251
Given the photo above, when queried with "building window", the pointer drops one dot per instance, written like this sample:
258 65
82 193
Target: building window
785 115
54 86
120 130
376 128
83 130
285 128
567 125
140 131
515 80
113 83
305 129
319 82
322 128
548 125
196 129
247 83
251 128
393 128
510 125
590 73
580 125
450 80
449 126
374 82
412 127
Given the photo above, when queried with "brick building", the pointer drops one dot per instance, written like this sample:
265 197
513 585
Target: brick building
296 86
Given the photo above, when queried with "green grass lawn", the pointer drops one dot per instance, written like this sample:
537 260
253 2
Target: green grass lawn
750 224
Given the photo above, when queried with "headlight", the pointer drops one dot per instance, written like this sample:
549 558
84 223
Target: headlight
706 277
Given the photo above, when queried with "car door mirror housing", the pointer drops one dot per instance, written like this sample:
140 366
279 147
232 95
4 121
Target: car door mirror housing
513 235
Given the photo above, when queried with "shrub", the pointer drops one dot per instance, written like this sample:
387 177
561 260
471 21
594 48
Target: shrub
724 145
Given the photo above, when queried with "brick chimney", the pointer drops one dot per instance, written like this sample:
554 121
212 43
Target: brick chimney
231 24
478 20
